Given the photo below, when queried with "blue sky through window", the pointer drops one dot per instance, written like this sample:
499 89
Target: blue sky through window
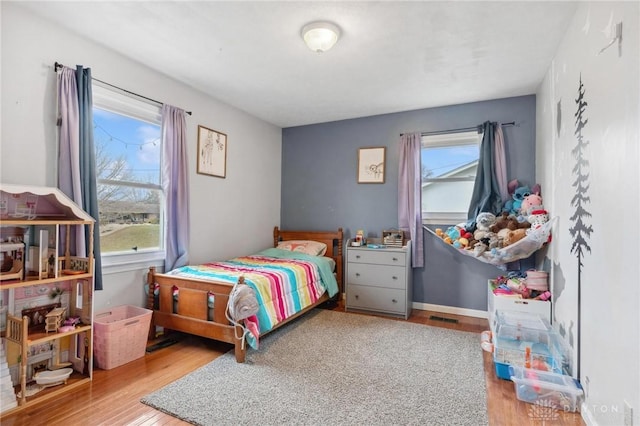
138 142
441 160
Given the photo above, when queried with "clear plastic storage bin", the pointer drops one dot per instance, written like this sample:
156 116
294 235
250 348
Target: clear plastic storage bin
548 389
526 340
515 319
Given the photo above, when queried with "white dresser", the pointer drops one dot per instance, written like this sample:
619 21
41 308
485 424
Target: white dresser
379 280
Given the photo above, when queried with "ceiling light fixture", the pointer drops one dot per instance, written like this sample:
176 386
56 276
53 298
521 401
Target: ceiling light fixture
320 36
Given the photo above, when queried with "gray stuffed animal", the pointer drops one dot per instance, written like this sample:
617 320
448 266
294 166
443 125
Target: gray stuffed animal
483 222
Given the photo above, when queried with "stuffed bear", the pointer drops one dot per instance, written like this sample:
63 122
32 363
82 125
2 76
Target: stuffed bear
490 241
501 222
505 221
513 237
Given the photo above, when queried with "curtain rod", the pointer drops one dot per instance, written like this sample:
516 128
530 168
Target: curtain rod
59 65
462 129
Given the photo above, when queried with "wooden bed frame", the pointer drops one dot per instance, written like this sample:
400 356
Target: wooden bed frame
192 318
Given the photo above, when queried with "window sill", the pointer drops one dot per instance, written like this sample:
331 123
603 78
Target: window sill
115 263
444 219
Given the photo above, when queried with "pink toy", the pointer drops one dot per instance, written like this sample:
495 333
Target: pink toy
518 287
530 203
544 296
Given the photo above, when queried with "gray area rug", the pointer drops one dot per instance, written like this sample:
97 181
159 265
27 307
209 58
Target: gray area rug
330 368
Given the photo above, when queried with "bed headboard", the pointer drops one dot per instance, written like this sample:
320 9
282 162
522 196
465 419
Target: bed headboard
333 240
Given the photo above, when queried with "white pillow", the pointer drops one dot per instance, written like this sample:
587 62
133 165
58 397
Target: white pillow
313 248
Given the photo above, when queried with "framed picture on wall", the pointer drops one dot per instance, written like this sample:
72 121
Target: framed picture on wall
371 165
212 152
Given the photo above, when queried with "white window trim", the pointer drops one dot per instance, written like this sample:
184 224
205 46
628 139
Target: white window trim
442 218
111 99
450 139
444 140
126 262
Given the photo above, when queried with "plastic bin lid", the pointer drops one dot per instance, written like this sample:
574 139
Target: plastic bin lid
522 319
547 379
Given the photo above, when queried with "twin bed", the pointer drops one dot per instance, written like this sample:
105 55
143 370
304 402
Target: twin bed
301 272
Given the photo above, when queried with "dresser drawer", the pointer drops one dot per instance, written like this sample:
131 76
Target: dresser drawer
376 299
380 257
377 275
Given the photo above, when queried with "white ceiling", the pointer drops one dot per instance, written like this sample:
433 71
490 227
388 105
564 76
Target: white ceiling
392 56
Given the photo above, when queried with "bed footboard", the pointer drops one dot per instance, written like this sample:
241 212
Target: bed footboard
193 307
198 307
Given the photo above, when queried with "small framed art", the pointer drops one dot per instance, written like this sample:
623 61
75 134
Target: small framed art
371 165
212 152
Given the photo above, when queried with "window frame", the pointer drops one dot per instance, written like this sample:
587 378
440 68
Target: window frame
443 140
117 101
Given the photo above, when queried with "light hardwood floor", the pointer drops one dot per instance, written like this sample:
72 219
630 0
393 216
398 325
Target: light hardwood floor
113 397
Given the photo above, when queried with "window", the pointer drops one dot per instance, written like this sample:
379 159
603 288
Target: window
449 165
129 179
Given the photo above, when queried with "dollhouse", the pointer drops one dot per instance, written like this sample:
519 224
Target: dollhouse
44 358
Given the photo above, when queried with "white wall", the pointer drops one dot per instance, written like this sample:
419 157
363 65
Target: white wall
609 291
229 217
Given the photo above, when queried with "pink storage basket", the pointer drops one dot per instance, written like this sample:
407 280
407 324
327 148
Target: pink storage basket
120 335
537 280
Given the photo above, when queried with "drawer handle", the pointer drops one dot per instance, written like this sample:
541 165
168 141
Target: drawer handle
357 274
356 296
394 277
357 256
394 300
395 259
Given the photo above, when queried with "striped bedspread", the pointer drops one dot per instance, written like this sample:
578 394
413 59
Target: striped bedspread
284 282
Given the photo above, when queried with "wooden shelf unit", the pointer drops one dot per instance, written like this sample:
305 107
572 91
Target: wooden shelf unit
45 229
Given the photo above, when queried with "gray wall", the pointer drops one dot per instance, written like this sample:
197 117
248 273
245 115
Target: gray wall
320 191
217 208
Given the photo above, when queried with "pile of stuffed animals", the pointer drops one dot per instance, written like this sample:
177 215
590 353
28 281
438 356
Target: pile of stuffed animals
520 215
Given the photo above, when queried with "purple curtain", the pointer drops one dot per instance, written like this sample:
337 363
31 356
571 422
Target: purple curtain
410 195
76 160
176 186
500 164
69 146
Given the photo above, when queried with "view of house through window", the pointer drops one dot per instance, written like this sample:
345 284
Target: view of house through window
128 166
449 164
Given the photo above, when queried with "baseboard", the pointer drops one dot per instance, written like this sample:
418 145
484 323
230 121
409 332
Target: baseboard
451 310
444 309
